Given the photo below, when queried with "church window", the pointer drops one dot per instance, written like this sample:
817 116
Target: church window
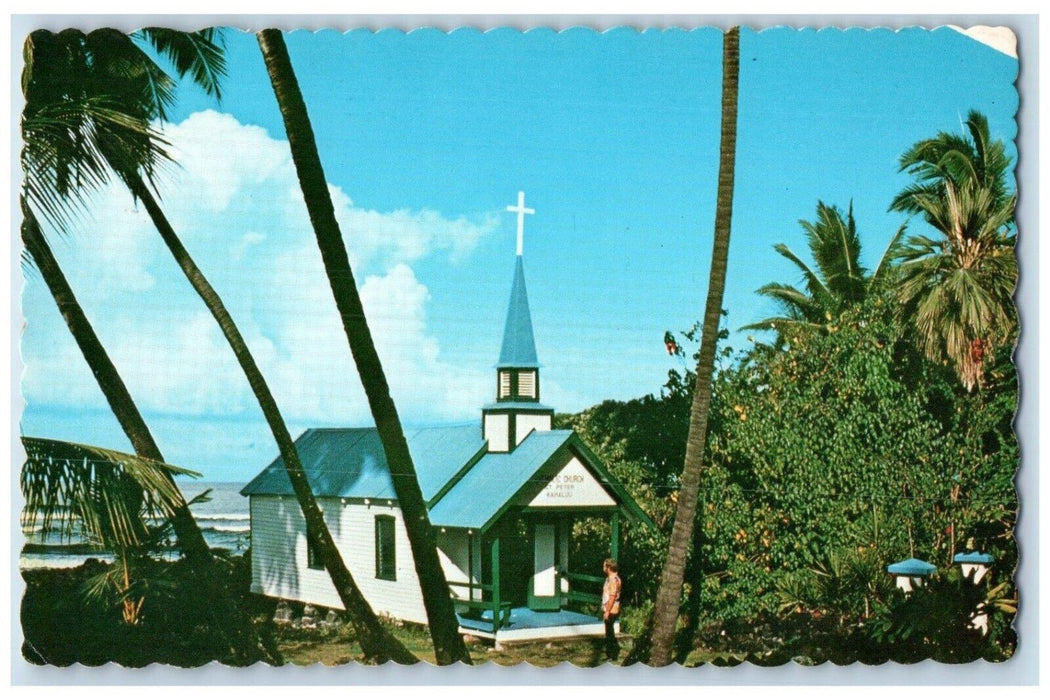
386 566
504 384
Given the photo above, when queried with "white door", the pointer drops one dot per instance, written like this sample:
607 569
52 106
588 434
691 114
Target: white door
543 580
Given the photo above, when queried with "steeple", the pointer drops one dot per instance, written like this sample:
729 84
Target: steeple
519 346
517 410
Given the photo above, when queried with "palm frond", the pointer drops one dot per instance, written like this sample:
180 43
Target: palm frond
66 147
197 54
885 263
836 250
91 100
814 283
782 325
906 199
111 494
794 302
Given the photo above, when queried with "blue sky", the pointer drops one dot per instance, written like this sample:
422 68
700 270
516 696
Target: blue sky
425 139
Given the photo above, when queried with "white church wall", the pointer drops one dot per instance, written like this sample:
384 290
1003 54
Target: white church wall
279 556
454 553
497 429
527 422
279 553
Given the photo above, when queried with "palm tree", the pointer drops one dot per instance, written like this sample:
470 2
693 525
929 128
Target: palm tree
669 595
70 113
444 626
956 290
146 99
113 496
839 280
377 644
85 94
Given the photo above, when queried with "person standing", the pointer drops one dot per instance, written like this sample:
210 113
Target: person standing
611 607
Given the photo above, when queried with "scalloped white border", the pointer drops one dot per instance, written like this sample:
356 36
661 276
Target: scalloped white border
1022 669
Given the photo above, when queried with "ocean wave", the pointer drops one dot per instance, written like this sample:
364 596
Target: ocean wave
226 528
221 516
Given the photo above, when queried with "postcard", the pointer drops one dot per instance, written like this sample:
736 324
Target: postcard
654 347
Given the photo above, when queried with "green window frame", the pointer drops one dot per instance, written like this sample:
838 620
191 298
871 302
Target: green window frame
386 551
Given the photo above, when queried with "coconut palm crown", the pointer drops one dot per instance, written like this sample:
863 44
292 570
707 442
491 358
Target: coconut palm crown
838 280
91 102
956 288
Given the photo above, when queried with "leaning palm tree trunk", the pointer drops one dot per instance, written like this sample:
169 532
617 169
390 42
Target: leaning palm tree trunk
377 644
444 626
190 539
245 640
669 595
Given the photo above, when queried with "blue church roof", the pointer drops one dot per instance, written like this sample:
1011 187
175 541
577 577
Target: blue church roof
486 489
519 346
351 463
912 567
464 486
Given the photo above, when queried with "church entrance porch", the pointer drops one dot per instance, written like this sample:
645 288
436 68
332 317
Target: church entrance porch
525 587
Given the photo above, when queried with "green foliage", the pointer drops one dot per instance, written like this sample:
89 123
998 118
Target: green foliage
178 625
829 457
845 443
91 103
634 618
112 495
937 621
639 442
123 503
846 586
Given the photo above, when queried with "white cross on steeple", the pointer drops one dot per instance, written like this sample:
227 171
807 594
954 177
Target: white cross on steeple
521 211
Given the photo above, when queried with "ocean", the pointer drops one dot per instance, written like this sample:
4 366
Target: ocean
223 519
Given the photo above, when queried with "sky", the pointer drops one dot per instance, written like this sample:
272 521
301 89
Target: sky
425 138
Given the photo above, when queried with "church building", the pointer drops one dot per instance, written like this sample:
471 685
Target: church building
502 494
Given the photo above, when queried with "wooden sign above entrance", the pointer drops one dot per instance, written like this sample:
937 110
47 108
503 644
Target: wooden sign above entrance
572 486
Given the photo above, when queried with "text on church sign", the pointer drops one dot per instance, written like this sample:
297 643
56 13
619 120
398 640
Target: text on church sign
573 485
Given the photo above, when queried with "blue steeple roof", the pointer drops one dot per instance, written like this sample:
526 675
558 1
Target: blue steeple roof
519 347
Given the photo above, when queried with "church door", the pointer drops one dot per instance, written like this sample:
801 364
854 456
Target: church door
543 586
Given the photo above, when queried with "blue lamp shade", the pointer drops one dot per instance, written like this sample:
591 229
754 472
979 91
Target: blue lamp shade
911 567
974 558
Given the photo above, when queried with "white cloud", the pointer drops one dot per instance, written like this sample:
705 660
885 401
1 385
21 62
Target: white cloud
247 241
408 236
241 173
235 201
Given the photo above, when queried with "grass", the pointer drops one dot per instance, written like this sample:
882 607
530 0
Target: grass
336 646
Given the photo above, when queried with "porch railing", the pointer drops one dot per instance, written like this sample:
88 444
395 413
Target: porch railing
578 596
500 611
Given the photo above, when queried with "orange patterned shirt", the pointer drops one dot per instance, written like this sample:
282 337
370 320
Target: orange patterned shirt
611 595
